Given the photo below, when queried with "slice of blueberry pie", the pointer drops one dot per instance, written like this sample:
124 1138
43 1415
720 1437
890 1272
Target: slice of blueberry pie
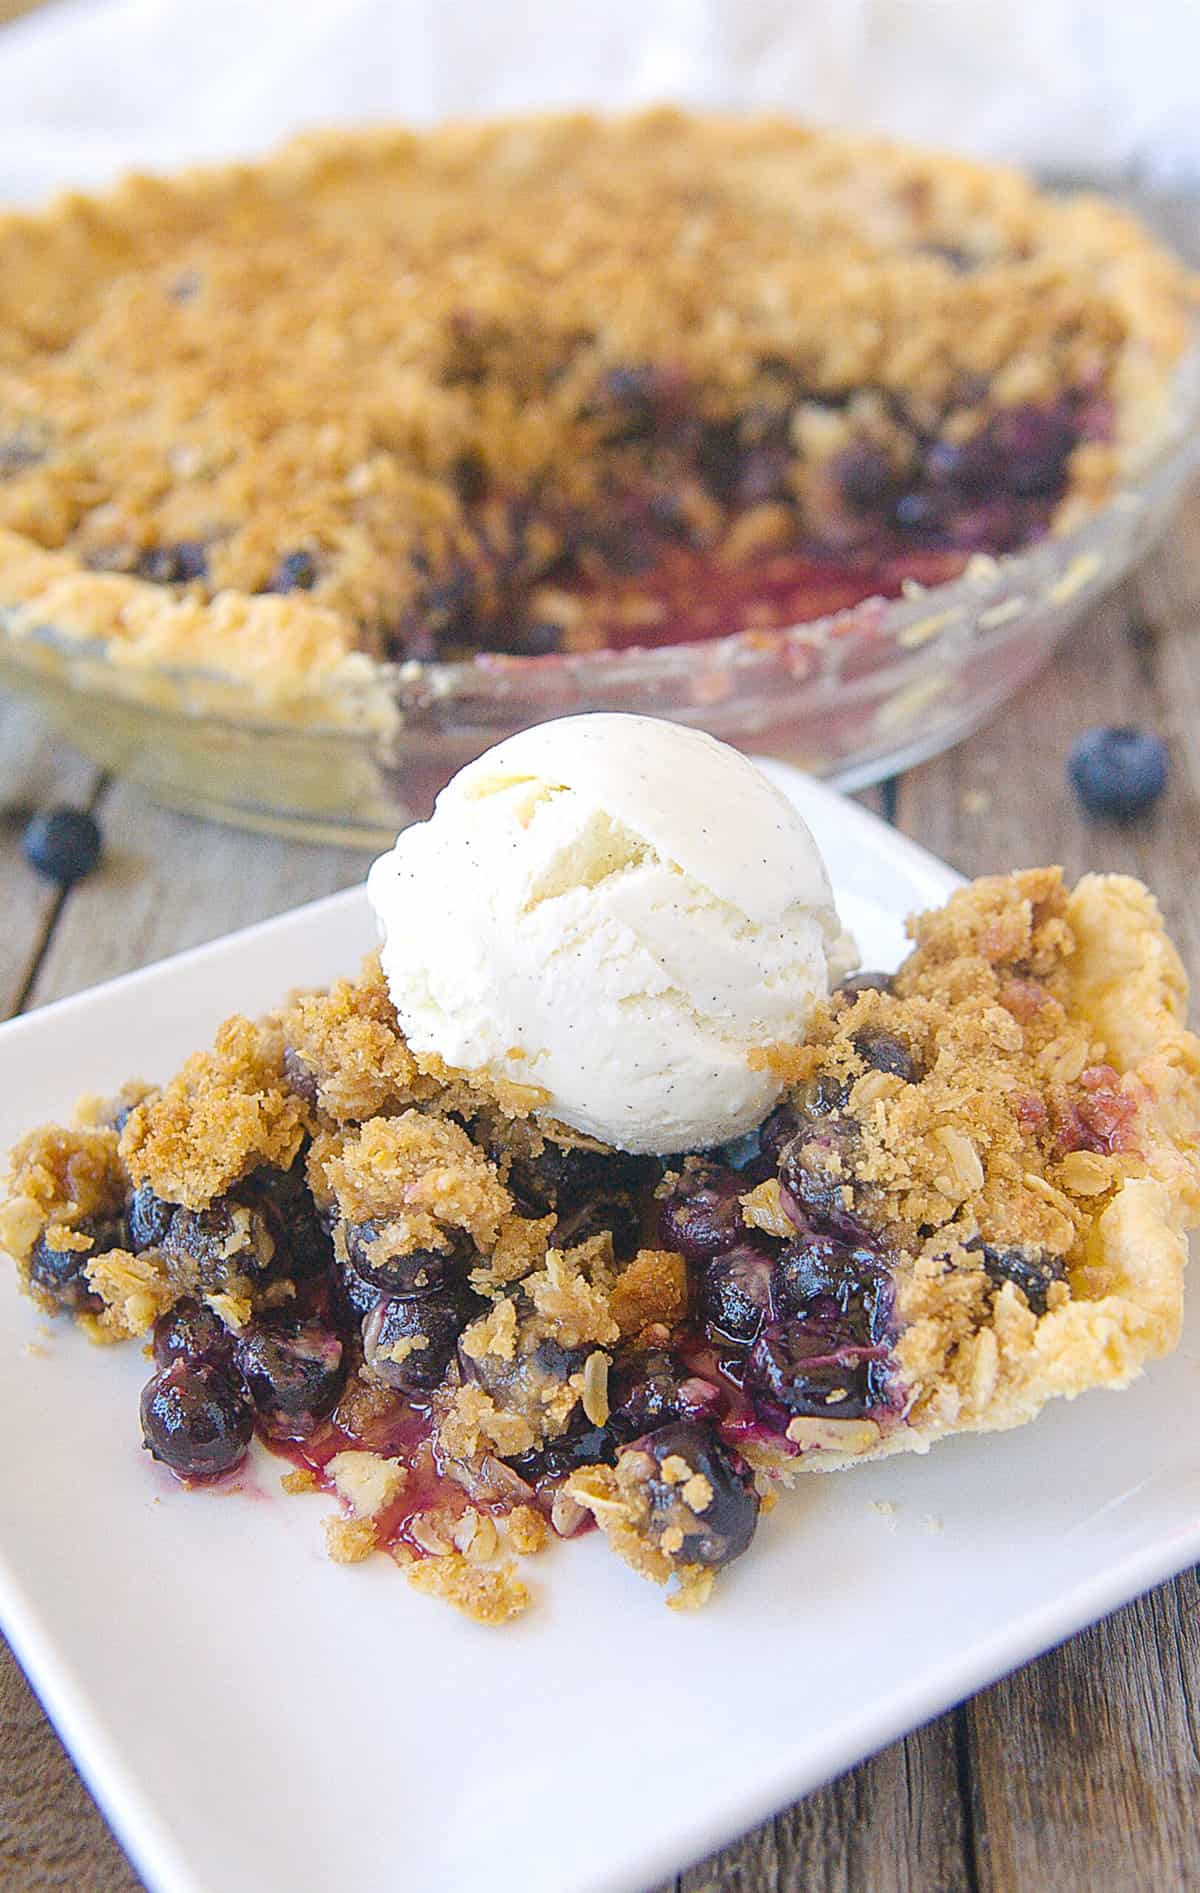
552 384
481 1326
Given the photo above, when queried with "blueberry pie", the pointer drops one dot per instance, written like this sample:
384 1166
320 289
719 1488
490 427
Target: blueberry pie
552 384
480 1329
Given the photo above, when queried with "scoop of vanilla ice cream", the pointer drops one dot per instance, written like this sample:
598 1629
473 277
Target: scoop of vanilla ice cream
617 911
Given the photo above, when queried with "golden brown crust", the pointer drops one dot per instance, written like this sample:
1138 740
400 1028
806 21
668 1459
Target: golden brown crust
227 1112
1059 1117
320 354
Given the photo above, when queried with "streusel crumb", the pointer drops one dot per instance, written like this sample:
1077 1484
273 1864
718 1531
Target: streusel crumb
487 1594
350 1540
227 1112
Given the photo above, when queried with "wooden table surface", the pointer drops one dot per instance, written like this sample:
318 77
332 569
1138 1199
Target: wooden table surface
1078 1773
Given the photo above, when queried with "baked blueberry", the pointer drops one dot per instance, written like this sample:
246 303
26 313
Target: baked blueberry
1032 446
539 639
581 1445
560 1177
701 1214
296 572
229 1238
883 1051
867 982
303 1247
734 1292
597 1216
408 1343
644 1391
865 475
378 1252
295 1373
197 1418
60 1273
803 1371
190 1331
835 1286
529 1379
1030 1270
149 1219
177 564
777 1131
717 1521
815 1172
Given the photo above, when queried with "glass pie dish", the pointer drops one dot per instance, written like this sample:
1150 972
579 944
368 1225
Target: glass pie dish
851 697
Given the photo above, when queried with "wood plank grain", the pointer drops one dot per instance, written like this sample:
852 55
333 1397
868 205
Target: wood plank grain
52 1835
1086 1769
893 1825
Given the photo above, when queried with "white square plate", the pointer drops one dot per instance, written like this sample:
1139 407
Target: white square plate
255 1718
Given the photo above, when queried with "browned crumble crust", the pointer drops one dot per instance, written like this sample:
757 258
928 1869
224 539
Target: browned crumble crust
1057 1117
227 1112
389 374
1009 1130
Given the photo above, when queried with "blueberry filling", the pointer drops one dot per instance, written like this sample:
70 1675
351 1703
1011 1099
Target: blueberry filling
60 1273
734 1292
408 1343
380 1256
717 1522
801 1368
1031 1270
294 1371
701 1214
190 1331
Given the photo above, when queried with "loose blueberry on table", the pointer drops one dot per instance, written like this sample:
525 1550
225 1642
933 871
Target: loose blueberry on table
1118 771
63 844
481 1332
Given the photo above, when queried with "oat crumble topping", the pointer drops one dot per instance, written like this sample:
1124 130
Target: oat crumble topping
478 1334
397 395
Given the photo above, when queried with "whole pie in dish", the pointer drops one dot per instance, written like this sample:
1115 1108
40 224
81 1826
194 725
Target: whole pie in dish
552 384
480 1328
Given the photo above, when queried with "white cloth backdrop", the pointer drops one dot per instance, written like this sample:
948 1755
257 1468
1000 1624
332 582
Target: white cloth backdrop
1101 87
